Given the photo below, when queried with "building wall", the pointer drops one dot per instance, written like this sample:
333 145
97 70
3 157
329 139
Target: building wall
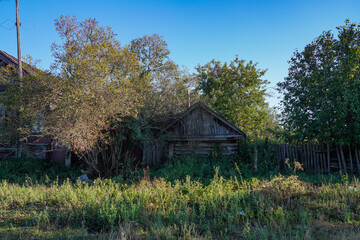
200 123
201 148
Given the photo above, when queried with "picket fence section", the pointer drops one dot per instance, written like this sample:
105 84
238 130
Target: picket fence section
320 157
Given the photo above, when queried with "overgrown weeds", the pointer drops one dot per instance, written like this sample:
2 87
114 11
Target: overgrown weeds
284 207
186 199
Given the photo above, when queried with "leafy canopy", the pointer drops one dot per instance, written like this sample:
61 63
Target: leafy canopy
236 91
322 90
92 82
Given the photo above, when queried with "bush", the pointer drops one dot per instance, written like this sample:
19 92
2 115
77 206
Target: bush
241 163
20 170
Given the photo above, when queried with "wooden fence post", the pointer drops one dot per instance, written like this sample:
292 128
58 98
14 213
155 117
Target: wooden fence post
284 157
357 160
324 162
255 158
287 152
305 157
321 167
68 158
351 160
312 157
290 154
316 158
309 157
328 157
338 157
343 158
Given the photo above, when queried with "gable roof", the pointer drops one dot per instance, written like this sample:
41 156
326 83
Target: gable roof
6 58
211 112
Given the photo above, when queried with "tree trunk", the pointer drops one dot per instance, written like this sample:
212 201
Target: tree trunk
266 144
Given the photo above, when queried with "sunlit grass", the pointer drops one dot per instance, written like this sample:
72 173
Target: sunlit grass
234 208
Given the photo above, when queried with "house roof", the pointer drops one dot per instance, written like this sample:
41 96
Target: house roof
210 111
6 58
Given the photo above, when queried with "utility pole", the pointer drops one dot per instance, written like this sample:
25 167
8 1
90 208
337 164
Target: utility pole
18 24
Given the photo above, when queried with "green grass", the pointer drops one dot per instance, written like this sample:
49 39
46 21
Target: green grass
282 208
186 199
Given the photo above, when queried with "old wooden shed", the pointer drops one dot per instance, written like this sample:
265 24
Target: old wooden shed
197 131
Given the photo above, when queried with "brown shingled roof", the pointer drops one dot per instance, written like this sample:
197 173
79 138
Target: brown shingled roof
8 59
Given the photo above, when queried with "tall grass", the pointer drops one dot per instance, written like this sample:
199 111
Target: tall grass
280 208
218 198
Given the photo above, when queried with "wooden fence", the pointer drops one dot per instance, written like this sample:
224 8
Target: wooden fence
319 157
36 150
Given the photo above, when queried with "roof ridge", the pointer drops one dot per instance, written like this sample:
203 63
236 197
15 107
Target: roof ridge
205 107
27 68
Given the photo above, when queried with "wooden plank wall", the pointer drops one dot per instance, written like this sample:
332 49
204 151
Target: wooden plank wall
320 157
201 123
153 153
203 148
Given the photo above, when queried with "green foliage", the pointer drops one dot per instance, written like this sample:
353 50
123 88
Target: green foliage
198 169
93 84
321 92
237 91
32 170
203 169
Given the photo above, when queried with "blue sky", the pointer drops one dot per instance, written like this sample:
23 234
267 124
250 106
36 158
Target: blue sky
267 32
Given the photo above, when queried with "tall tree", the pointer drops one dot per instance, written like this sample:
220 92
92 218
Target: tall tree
322 90
170 88
92 82
237 91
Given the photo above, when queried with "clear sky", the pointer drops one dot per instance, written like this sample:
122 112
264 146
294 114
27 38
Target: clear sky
196 31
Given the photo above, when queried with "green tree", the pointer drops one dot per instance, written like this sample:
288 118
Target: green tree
91 83
170 89
322 90
236 91
94 84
